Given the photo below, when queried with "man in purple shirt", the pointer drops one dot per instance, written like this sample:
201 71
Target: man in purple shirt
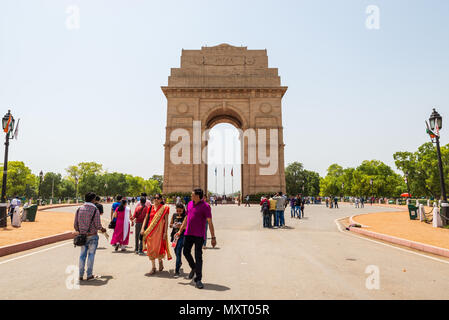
198 212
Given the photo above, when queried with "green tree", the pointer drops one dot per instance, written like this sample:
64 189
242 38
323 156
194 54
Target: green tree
152 186
51 181
19 177
67 189
312 183
294 178
331 184
159 179
116 183
386 183
300 181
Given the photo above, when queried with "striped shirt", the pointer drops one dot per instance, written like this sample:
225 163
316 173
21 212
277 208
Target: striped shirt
83 218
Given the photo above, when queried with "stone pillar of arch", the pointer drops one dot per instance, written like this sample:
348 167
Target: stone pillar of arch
224 84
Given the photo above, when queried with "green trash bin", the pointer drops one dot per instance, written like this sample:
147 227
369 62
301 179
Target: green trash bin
413 212
31 212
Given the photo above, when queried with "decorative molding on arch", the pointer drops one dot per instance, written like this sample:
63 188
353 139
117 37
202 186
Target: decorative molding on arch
224 112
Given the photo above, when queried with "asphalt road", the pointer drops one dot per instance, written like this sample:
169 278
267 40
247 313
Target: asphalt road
311 259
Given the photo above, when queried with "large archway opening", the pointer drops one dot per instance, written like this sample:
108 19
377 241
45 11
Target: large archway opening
224 163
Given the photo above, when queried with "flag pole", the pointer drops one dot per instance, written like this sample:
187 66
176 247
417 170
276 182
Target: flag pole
232 181
224 180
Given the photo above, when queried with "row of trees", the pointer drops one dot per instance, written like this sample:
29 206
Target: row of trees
341 181
420 167
301 181
86 176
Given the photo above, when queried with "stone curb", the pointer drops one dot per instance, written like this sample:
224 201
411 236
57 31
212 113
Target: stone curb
55 206
31 244
403 242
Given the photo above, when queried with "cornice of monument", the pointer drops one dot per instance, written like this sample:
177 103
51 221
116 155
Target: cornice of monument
209 92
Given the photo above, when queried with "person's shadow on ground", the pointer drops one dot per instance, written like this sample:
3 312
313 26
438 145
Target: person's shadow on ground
97 281
207 286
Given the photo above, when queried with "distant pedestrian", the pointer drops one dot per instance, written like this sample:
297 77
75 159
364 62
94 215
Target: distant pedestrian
298 203
247 201
116 204
15 202
138 218
273 220
99 205
292 207
301 213
336 202
88 222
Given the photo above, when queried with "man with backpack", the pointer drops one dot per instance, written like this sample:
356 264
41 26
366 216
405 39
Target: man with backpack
265 208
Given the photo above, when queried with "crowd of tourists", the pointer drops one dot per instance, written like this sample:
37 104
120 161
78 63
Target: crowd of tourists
151 221
273 209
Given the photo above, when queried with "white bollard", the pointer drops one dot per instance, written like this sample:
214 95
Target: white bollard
437 222
428 202
422 216
59 201
397 202
417 202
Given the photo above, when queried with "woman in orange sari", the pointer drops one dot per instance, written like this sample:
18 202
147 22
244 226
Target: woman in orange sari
155 240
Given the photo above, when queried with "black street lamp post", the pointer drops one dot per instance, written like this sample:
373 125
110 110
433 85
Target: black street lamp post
372 195
8 127
41 177
436 123
76 189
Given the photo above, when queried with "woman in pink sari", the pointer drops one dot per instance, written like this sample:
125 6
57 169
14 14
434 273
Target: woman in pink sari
120 238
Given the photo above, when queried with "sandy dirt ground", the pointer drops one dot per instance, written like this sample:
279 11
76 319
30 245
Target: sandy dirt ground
47 223
398 224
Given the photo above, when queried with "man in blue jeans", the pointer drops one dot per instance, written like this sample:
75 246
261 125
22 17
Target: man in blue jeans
88 222
280 207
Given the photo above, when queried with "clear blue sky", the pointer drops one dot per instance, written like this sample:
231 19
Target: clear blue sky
93 94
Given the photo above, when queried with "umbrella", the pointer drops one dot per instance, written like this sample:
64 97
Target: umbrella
406 195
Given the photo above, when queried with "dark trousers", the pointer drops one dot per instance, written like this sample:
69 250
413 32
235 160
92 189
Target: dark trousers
266 219
196 264
178 252
272 218
139 243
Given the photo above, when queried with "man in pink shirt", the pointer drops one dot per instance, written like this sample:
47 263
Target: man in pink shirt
198 212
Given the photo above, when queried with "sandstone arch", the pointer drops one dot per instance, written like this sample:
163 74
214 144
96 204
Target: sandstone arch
224 84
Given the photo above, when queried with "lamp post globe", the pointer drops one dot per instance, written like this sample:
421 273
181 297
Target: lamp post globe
435 118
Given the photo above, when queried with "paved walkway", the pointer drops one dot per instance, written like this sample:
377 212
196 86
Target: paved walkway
311 259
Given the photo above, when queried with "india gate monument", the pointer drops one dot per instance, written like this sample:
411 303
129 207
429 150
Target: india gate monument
224 84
